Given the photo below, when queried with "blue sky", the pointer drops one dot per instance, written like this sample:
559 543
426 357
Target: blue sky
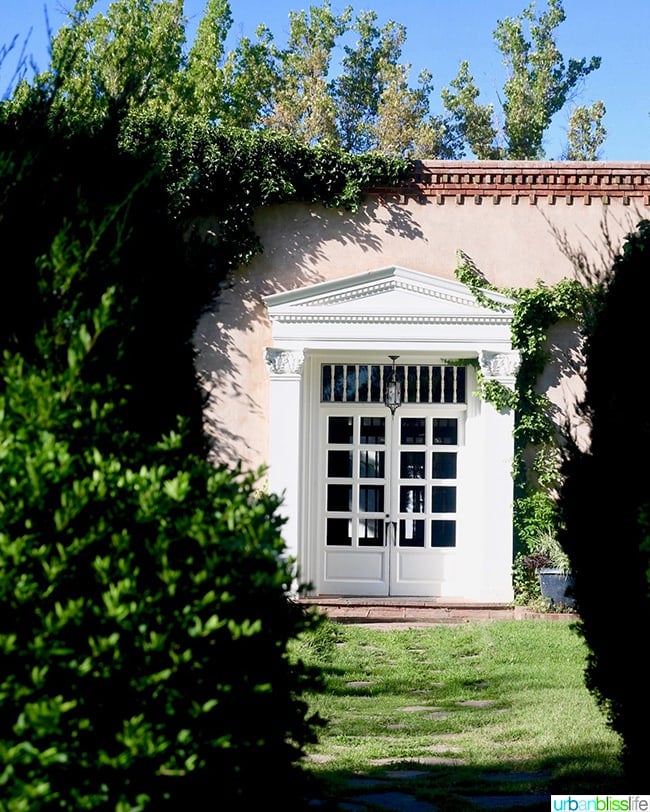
441 33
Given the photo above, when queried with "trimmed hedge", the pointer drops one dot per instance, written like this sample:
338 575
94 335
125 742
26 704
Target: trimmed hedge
605 503
145 614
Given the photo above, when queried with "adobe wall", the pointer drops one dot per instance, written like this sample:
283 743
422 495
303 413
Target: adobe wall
517 222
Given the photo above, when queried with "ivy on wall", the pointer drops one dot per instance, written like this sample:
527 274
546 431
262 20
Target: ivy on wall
224 174
536 462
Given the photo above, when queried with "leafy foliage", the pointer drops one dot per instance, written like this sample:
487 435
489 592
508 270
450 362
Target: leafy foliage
586 132
53 178
144 593
222 175
605 502
302 103
338 82
536 460
545 552
539 84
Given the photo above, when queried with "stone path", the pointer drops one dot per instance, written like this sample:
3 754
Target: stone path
390 791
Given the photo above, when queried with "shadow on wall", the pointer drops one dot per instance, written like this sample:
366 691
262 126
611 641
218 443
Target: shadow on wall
231 336
303 244
603 249
563 378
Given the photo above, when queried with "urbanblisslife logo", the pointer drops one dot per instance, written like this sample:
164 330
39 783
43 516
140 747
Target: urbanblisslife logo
600 803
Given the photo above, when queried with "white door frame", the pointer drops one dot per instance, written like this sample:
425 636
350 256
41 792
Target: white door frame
363 533
393 310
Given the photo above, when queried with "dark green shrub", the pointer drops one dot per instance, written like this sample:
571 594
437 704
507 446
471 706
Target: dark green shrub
144 629
145 618
74 196
605 496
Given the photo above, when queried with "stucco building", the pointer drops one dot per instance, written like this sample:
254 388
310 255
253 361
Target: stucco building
302 349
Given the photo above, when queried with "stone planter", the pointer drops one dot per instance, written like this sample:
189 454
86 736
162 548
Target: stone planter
557 588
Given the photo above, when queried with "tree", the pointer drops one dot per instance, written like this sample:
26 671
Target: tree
356 90
229 88
371 105
135 58
605 503
129 57
377 109
586 132
302 103
143 592
473 122
539 84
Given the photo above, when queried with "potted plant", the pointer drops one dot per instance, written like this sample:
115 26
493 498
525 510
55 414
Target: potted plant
551 566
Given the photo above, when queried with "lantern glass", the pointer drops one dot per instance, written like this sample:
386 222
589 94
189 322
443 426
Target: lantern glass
393 390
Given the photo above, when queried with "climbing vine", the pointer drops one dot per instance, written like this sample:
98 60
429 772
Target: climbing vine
225 174
536 462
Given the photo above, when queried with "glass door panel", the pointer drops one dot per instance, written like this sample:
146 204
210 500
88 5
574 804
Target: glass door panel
390 499
426 513
355 480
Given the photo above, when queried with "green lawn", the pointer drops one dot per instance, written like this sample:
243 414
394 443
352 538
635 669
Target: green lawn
466 703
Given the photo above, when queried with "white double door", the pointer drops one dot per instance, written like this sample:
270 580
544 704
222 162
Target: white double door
389 520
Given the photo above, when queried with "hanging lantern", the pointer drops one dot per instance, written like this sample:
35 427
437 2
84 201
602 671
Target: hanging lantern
393 388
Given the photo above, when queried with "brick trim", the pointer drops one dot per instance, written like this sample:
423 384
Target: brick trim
572 181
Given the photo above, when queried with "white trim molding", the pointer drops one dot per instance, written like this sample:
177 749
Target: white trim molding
500 366
364 319
284 362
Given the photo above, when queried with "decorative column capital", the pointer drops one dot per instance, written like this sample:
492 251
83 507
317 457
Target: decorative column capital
500 366
284 362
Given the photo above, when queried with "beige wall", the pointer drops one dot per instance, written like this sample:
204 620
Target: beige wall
512 244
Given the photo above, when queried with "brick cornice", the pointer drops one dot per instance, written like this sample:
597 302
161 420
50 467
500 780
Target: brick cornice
476 181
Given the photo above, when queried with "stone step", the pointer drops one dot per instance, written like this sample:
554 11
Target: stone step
425 611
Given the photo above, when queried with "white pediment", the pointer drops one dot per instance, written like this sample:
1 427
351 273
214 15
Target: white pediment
387 295
391 309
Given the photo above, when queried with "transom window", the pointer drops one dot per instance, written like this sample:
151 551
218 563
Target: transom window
421 383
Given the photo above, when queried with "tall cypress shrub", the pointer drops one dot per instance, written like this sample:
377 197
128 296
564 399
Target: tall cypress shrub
144 611
605 500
